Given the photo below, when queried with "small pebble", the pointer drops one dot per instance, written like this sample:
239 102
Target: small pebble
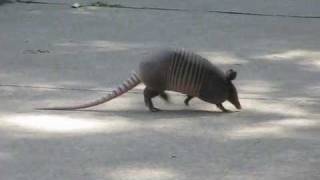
75 5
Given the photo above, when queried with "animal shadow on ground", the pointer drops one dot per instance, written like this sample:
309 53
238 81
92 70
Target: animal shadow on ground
163 114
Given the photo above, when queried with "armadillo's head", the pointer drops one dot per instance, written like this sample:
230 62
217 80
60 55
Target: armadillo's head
232 91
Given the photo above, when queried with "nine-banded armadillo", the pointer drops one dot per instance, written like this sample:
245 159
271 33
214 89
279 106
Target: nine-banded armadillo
176 70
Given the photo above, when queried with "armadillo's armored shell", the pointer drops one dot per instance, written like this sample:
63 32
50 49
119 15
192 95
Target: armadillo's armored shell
187 72
178 70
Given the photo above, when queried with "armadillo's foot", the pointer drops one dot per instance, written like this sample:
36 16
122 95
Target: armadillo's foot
154 109
186 101
222 108
148 95
165 96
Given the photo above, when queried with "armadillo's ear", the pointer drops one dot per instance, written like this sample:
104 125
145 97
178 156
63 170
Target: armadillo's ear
231 74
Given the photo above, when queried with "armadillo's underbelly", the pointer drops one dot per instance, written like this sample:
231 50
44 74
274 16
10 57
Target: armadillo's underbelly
186 73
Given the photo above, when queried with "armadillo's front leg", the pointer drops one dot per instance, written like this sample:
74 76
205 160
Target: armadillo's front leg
148 94
186 101
222 108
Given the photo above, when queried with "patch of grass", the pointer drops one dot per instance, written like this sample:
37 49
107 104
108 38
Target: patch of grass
106 4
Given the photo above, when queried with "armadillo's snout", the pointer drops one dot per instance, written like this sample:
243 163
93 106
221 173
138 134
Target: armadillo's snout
235 102
238 106
233 97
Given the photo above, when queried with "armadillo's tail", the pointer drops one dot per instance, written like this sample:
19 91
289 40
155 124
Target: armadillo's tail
130 83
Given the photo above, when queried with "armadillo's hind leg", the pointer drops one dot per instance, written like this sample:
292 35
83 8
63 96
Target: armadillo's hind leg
186 101
148 95
222 108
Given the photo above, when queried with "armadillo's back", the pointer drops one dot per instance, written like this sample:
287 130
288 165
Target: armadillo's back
187 72
177 70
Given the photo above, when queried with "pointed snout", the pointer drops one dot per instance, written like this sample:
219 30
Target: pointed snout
236 104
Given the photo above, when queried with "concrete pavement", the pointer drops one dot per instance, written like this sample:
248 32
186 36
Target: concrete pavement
53 54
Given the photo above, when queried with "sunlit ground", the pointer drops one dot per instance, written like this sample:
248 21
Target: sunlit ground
280 119
100 46
134 173
275 107
292 112
107 123
222 58
65 124
277 128
307 58
257 87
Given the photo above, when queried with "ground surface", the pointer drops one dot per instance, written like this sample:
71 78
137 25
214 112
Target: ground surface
52 54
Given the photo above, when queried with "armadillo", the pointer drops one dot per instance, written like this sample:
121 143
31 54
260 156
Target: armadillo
176 70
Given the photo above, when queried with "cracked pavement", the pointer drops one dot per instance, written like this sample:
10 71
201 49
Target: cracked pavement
52 54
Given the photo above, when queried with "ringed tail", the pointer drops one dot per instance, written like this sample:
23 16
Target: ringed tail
127 85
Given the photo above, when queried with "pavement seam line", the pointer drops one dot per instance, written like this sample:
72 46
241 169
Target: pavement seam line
179 10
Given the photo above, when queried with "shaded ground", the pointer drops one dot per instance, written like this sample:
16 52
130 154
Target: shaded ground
4 2
57 55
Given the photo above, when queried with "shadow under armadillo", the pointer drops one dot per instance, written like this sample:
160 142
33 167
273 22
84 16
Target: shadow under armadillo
163 114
